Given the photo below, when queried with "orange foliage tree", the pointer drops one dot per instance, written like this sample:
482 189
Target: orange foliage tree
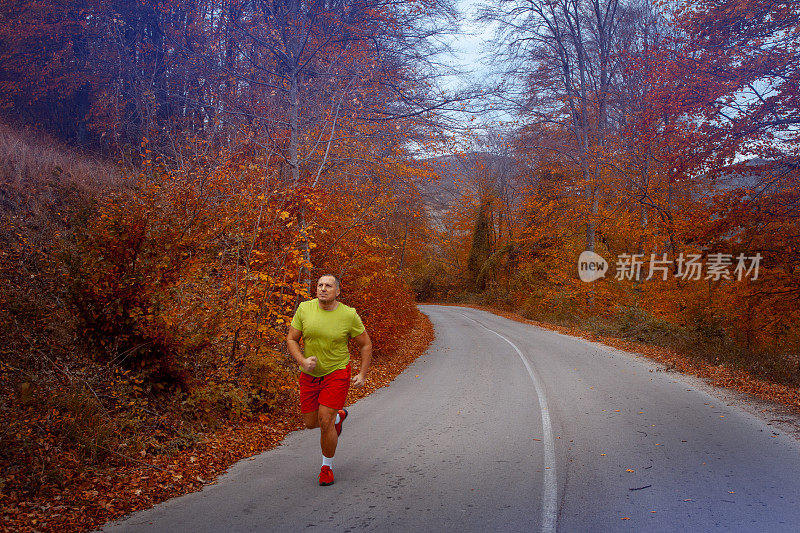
678 140
186 277
729 82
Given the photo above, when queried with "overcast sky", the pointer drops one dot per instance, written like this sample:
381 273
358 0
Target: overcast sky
473 33
468 44
470 48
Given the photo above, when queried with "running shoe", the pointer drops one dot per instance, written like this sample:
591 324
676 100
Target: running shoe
326 476
342 416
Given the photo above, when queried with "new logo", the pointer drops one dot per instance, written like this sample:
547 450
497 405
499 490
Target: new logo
591 266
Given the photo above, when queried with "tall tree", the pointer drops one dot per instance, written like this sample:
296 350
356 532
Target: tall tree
738 64
563 58
332 84
731 81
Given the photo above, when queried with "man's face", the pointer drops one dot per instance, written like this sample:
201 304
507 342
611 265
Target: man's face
326 289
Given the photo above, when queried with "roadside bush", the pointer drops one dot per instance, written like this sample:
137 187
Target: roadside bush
633 322
210 402
549 306
142 312
85 422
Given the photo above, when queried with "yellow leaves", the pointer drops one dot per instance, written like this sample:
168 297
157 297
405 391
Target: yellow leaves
284 215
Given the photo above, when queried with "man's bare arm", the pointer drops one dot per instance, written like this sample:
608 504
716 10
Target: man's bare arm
308 364
365 349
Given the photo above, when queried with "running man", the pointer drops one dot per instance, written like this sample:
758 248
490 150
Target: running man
326 325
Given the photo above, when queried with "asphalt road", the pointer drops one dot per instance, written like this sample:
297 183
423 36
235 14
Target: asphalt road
502 426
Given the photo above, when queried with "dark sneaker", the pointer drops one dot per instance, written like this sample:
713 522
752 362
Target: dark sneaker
342 416
326 476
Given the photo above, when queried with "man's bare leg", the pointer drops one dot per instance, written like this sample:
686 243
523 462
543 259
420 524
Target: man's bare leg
311 419
325 419
328 437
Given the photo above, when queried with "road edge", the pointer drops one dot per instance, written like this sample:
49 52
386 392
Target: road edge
779 407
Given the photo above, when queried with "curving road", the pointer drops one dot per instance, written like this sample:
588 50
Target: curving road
502 426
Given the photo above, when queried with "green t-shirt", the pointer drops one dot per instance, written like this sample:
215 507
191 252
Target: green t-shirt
326 333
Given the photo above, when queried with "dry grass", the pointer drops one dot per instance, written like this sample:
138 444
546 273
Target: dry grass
29 158
45 191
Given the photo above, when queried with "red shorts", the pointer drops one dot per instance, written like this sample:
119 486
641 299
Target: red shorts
330 390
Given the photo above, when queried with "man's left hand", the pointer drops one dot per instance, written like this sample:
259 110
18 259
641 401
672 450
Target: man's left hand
359 380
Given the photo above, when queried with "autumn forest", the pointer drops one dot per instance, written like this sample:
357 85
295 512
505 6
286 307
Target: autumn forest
174 174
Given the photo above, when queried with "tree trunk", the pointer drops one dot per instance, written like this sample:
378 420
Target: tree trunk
304 274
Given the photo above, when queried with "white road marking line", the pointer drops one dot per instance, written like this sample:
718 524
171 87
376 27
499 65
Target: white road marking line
550 497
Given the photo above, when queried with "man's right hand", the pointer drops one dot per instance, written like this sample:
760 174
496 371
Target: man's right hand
309 364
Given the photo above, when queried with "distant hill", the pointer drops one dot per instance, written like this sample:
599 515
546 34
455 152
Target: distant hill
754 176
